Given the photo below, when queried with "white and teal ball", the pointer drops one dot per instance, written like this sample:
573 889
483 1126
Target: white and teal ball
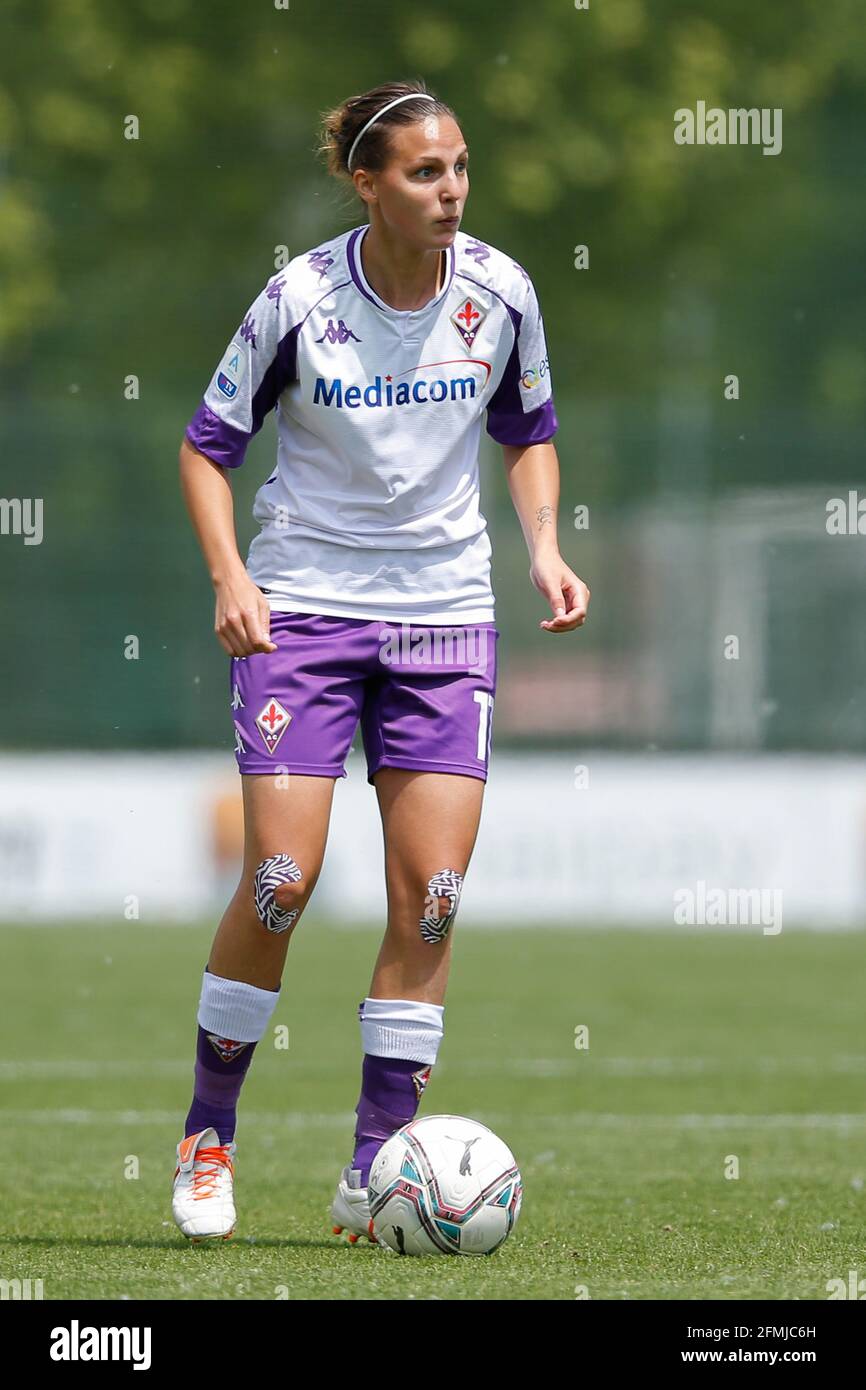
444 1185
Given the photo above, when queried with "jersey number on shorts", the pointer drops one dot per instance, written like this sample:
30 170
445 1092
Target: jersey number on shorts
485 720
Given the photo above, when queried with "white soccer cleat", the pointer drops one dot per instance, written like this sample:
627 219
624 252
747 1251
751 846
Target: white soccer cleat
350 1209
203 1203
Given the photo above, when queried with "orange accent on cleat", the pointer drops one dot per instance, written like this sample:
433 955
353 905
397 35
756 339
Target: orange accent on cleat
353 1239
186 1146
337 1230
371 1234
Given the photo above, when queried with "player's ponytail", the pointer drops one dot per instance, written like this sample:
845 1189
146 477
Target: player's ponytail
341 128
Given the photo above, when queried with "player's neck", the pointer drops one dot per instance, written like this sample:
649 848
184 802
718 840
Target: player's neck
401 276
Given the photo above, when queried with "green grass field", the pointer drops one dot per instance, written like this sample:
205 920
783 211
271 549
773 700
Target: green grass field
702 1046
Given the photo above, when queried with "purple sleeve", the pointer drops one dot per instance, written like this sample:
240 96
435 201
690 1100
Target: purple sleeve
521 409
258 364
222 443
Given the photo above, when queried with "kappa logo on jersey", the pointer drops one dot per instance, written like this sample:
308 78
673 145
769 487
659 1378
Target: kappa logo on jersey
272 723
478 251
340 334
231 372
420 1078
467 320
320 261
275 289
247 331
226 1048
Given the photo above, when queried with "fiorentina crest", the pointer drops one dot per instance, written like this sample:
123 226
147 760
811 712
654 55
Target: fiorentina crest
420 1079
226 1048
467 319
272 722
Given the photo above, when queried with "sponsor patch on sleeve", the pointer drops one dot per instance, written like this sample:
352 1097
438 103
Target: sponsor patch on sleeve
231 370
534 376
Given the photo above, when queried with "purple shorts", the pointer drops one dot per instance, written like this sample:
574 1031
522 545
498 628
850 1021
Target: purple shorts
424 696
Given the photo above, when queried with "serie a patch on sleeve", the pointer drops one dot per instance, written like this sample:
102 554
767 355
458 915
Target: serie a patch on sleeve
230 372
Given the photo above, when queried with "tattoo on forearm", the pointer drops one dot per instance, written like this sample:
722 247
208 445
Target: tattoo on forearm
544 515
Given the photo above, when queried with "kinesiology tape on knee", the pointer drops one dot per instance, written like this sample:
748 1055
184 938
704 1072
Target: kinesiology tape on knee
270 875
440 905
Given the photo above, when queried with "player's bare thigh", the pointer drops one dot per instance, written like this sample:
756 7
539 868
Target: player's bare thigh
430 823
285 830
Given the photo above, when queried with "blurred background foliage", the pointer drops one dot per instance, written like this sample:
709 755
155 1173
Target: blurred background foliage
139 256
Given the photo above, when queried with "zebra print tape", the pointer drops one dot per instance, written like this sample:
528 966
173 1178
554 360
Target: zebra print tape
435 924
270 874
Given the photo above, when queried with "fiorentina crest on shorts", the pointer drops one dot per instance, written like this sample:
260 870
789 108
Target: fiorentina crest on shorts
467 319
272 722
226 1048
420 1079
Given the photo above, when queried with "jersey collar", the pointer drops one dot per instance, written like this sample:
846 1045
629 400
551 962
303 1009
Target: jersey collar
356 270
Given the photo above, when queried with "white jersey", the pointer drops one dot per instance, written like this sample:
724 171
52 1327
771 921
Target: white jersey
373 510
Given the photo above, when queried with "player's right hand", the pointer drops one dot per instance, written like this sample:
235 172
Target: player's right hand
242 621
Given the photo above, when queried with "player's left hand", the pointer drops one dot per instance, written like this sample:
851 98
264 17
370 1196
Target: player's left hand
567 595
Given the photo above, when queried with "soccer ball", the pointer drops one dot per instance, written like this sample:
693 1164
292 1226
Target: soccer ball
444 1185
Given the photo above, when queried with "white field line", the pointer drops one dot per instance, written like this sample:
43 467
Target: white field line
585 1119
80 1116
68 1069
843 1065
576 1064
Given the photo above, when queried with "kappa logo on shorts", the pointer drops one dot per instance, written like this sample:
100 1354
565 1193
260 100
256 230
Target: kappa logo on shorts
272 723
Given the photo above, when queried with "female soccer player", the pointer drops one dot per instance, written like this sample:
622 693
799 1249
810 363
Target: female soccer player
366 595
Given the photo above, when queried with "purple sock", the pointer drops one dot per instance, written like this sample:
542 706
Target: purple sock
391 1088
220 1067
